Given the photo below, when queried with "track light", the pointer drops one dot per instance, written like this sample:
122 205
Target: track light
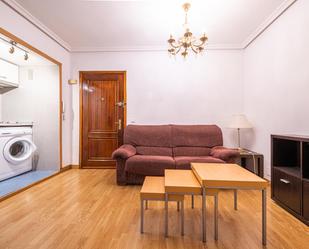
26 56
14 46
12 50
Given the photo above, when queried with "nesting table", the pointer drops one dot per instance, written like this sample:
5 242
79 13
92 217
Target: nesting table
153 190
229 176
204 179
179 182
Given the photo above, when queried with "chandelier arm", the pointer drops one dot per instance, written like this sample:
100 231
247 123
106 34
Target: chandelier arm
175 45
199 45
194 50
178 50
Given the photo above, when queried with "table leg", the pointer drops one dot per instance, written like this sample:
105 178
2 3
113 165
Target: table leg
142 216
146 206
178 206
204 214
235 199
192 201
182 218
216 216
264 237
166 214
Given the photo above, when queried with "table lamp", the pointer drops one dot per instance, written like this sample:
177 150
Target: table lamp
239 121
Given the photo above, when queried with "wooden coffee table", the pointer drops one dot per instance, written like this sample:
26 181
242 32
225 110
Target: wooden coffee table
228 176
183 182
153 190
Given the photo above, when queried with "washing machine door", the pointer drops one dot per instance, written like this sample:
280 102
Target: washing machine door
18 150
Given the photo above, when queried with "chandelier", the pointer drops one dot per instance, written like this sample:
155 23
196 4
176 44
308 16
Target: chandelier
188 41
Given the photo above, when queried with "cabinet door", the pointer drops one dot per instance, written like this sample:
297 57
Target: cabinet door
9 72
306 200
287 189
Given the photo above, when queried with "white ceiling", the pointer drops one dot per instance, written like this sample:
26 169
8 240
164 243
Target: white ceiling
17 57
96 25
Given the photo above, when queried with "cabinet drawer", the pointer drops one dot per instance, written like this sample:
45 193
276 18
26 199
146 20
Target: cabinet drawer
287 189
306 200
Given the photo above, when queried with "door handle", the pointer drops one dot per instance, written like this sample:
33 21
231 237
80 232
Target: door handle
120 104
119 124
284 181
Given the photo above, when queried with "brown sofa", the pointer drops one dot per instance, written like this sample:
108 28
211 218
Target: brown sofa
149 149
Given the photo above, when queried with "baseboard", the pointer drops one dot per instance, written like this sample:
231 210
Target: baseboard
63 169
70 166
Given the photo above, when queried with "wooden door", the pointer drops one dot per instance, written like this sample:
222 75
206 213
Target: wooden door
103 112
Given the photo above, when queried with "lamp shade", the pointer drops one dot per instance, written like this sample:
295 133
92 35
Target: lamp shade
239 121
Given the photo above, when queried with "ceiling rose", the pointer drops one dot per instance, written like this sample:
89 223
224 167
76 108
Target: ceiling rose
187 42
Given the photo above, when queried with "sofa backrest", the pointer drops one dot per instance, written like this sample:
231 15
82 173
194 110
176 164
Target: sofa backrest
150 139
177 140
195 140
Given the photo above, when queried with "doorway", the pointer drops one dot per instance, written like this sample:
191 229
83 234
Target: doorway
102 116
30 115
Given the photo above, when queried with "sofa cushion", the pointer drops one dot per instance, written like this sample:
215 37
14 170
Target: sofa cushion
124 151
196 136
183 162
148 135
155 151
149 165
228 155
191 151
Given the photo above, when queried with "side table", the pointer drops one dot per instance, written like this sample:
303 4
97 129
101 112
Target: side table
251 161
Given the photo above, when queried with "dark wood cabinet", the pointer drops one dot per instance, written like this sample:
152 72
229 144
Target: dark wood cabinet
306 199
290 174
287 188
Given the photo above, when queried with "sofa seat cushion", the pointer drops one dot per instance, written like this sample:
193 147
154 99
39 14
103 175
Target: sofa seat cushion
191 151
149 165
154 151
183 162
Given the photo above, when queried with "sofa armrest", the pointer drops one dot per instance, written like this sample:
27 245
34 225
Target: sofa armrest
124 152
225 154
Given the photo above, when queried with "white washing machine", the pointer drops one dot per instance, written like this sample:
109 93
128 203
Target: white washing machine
16 151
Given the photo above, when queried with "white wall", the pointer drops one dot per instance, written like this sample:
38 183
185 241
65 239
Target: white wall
268 81
20 27
37 100
0 108
276 79
160 90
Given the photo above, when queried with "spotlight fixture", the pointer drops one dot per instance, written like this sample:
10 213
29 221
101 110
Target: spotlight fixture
15 46
12 49
26 56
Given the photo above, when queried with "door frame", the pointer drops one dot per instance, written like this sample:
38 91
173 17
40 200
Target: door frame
124 73
59 64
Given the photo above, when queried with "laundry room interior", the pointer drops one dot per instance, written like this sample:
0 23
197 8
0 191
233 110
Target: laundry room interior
30 114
